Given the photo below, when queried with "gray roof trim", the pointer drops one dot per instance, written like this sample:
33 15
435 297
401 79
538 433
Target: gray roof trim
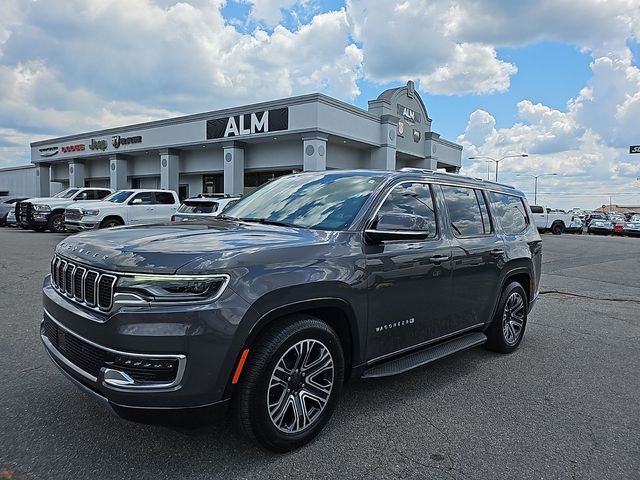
283 102
447 143
18 167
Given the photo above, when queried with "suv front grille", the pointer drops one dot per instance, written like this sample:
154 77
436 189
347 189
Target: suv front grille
91 358
88 287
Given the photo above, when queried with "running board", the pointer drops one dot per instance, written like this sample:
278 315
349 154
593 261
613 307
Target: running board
427 355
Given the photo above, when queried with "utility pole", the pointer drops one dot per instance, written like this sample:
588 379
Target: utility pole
535 184
498 160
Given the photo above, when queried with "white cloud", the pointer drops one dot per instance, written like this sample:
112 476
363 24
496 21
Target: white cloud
269 11
73 65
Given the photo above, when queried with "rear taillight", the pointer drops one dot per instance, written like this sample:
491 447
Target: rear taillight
173 218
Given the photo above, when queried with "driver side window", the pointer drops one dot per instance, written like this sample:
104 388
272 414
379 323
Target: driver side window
414 199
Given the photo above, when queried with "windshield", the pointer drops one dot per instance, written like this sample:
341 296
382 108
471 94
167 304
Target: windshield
325 201
198 207
68 193
118 197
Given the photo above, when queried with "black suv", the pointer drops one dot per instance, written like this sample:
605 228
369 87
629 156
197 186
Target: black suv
313 279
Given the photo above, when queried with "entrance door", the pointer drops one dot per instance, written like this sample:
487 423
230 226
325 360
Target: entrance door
409 280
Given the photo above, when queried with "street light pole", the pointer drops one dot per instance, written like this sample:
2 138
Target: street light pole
535 184
497 161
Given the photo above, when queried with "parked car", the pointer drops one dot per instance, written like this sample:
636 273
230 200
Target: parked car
618 227
632 227
312 279
595 216
47 213
548 219
11 219
575 226
600 227
202 206
124 207
7 206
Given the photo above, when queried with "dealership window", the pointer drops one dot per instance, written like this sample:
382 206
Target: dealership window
255 179
213 183
183 191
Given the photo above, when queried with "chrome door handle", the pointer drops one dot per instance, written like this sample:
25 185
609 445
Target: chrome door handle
497 251
438 258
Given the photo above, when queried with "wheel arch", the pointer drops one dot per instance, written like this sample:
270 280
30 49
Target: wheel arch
111 217
520 271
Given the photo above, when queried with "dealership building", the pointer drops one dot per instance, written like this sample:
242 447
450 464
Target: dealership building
237 149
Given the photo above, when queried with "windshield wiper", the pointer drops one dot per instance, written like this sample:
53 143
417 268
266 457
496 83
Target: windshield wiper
265 221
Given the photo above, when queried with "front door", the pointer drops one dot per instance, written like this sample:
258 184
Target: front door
409 281
142 208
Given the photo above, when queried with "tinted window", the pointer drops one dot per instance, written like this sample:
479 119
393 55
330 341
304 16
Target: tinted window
413 198
198 207
464 211
536 209
165 198
510 212
486 222
100 194
322 200
148 198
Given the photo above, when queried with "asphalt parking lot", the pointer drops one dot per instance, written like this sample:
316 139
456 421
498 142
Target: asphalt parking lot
565 405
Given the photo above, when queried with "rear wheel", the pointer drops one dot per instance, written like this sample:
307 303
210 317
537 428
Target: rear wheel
55 223
509 322
291 384
557 228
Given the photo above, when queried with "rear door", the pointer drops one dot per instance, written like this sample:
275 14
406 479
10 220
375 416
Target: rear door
166 205
409 281
477 254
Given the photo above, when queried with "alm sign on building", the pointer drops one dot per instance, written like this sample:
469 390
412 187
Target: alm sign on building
248 124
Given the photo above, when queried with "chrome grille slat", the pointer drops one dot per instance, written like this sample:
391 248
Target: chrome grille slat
88 287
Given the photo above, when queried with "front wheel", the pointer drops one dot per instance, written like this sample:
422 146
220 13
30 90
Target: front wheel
507 328
291 383
55 224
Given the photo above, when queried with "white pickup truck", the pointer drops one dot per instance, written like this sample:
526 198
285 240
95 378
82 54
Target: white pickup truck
547 219
125 207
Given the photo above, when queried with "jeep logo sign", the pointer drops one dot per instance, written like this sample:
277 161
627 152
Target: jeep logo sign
249 124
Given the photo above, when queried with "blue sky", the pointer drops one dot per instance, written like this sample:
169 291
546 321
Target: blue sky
557 79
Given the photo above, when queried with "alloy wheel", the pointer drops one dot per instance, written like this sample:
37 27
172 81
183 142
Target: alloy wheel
513 318
300 386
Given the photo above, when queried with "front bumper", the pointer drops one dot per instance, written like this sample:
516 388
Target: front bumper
200 338
80 226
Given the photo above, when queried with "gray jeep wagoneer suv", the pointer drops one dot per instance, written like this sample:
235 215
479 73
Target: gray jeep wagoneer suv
314 279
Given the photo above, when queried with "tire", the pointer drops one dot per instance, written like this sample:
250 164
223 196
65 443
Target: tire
557 228
270 372
111 222
55 224
504 335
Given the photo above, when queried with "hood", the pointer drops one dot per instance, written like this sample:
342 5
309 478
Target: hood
93 204
166 248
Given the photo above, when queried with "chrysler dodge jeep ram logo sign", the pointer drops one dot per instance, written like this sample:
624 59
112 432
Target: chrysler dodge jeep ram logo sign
48 151
73 148
117 140
98 145
249 123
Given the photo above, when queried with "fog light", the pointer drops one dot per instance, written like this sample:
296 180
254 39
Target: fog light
150 363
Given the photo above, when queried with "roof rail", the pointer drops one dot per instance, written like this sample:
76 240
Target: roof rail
417 170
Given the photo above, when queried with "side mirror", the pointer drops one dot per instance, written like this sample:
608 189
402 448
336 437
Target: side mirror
136 201
398 226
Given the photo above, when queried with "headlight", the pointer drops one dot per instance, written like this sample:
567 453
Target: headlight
90 212
42 208
174 288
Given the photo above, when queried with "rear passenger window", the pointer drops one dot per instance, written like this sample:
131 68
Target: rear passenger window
413 198
164 198
510 212
100 194
467 211
536 209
